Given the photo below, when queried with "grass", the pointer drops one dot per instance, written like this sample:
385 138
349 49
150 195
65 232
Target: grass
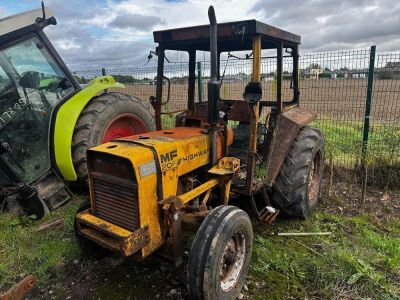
25 251
361 260
344 147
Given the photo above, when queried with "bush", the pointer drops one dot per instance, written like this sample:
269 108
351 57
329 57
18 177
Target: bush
385 75
325 75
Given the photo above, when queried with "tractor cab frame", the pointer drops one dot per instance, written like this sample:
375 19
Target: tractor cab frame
285 117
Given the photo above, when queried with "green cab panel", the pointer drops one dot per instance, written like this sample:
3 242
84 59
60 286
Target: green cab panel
66 118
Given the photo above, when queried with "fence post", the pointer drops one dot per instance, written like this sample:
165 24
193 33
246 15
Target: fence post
199 82
368 102
103 72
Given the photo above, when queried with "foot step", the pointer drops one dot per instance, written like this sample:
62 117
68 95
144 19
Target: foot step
268 214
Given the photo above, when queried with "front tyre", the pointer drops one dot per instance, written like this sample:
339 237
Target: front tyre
220 256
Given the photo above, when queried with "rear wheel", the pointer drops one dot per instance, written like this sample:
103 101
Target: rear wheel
107 117
220 256
297 187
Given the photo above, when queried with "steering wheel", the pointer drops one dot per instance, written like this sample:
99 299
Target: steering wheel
6 89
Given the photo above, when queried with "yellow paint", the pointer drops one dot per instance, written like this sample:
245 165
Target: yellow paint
189 196
176 156
256 74
112 230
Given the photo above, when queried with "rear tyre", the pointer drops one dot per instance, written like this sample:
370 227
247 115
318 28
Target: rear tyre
220 256
107 117
297 187
88 248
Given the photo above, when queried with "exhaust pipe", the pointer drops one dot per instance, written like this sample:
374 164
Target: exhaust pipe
213 86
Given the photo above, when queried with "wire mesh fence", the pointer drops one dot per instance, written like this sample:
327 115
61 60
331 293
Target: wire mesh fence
334 84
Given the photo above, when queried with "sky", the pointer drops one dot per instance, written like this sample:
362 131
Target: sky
104 33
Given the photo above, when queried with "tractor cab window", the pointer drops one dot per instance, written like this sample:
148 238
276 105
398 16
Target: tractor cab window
31 84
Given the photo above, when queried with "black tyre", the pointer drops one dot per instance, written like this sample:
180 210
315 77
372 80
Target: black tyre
88 248
107 117
220 256
297 187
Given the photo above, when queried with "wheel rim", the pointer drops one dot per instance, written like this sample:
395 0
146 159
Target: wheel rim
232 261
123 125
314 178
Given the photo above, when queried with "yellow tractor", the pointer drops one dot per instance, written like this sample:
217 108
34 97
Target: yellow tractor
144 187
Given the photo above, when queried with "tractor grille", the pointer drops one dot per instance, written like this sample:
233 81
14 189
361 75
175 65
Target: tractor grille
115 200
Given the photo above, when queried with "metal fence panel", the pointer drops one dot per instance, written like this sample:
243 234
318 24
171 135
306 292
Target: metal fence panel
334 84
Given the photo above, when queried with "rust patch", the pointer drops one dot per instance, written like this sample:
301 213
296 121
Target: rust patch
19 290
177 133
288 125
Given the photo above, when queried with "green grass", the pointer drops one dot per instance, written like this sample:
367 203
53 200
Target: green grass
343 141
25 251
344 147
360 260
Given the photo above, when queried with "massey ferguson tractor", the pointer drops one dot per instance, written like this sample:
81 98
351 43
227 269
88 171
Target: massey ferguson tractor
47 120
144 187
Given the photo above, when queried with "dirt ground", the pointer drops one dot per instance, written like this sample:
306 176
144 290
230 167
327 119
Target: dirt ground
115 278
341 99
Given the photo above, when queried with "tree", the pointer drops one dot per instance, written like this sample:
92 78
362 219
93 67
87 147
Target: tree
385 74
392 65
124 78
314 66
81 80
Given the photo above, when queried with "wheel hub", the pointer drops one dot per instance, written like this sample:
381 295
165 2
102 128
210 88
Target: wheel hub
123 125
232 261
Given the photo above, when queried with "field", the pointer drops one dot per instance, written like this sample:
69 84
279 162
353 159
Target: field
340 105
341 99
360 260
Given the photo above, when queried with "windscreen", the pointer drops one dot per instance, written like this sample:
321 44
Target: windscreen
31 84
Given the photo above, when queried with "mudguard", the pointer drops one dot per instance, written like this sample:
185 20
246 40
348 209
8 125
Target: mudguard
288 126
66 119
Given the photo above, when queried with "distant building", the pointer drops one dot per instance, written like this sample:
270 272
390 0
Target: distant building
268 77
311 72
357 74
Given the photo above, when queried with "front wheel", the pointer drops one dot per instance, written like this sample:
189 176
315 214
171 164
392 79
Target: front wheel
220 256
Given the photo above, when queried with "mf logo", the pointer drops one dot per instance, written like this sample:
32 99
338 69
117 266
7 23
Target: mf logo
168 156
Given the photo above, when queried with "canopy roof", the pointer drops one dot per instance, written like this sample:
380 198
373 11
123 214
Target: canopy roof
232 36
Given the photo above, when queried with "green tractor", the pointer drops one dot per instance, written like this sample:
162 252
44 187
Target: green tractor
47 120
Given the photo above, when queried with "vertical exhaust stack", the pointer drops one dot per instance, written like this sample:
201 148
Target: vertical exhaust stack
213 86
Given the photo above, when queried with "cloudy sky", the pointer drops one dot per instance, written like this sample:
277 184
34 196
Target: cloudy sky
94 33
